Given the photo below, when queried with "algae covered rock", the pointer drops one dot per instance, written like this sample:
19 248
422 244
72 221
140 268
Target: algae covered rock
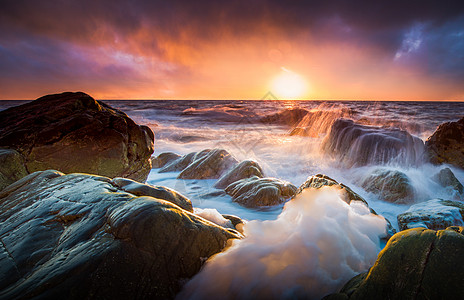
256 192
417 263
244 169
72 132
80 236
11 167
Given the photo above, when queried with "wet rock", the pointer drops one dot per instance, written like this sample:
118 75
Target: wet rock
320 180
433 214
163 159
81 236
446 144
72 132
245 169
256 192
11 167
289 116
182 162
357 145
415 264
391 185
211 165
447 179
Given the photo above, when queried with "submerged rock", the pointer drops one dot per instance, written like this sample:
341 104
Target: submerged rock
11 167
81 236
72 132
446 144
447 179
415 264
289 116
433 214
256 192
244 169
163 159
391 185
358 145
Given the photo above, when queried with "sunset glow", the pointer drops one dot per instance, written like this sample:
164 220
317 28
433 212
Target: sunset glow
289 85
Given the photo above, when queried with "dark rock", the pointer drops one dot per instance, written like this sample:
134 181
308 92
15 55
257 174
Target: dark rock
80 236
72 132
11 167
289 116
416 264
357 145
391 185
446 144
433 214
245 169
446 178
163 159
207 164
234 219
256 192
319 180
319 121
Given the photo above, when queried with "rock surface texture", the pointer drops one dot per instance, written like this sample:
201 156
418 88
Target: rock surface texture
80 236
11 167
72 132
446 144
391 185
244 169
415 264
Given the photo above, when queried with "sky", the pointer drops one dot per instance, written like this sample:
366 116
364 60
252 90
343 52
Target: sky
149 49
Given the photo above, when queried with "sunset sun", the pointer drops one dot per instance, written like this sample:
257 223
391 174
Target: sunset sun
289 85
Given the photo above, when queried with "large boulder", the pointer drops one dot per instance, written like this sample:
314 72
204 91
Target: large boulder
417 263
447 179
244 169
11 167
357 145
320 180
206 164
391 185
81 236
446 144
256 192
72 132
433 214
163 159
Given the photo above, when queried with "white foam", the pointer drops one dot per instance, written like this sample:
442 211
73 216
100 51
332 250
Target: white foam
316 244
214 216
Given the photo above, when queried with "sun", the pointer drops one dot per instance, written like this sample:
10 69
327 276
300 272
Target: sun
289 85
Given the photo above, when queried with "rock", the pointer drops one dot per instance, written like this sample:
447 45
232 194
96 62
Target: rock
160 192
319 121
357 145
289 116
256 192
245 169
447 179
11 167
446 144
391 185
433 214
182 162
209 166
80 236
319 180
416 264
72 132
163 159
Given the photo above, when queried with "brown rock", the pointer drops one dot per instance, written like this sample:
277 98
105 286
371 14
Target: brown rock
446 144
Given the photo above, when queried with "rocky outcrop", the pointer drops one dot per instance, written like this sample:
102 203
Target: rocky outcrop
11 167
72 132
446 144
415 264
255 192
357 145
81 236
163 159
391 185
244 169
447 179
433 214
289 116
319 180
207 164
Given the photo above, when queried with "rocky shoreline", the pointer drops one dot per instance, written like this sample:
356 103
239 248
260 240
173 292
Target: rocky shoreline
78 221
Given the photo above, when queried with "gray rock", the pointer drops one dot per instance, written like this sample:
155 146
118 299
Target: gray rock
255 192
391 185
209 164
447 179
72 132
433 214
163 159
81 236
245 169
11 167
